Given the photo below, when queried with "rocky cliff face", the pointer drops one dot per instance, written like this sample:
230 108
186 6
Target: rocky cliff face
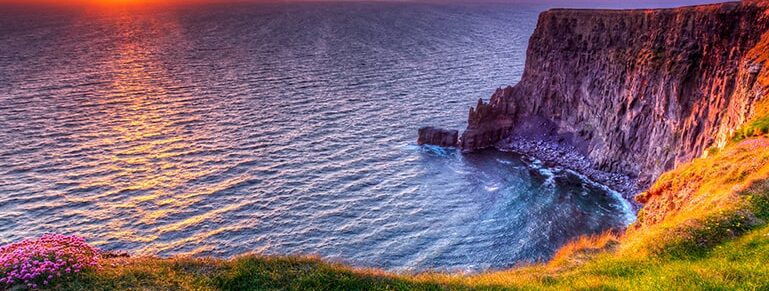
635 91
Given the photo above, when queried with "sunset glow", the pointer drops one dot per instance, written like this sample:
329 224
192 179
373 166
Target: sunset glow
103 2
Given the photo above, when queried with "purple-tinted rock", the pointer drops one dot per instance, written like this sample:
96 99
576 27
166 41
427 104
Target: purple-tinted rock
634 91
437 136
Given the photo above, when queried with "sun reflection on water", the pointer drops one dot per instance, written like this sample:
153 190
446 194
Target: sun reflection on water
147 139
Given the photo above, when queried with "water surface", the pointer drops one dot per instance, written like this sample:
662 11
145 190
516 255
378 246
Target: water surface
276 129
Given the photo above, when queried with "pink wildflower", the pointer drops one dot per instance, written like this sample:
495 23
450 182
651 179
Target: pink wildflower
35 262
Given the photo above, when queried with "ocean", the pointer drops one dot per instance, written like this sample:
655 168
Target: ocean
277 129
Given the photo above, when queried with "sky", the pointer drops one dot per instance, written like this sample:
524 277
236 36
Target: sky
553 3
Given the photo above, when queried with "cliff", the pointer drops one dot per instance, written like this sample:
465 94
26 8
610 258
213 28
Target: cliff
635 92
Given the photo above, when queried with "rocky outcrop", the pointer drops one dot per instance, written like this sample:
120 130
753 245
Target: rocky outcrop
634 91
437 136
487 125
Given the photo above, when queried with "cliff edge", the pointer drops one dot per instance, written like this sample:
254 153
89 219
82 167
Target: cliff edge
635 92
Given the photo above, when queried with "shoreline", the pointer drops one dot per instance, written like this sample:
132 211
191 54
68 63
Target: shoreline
555 154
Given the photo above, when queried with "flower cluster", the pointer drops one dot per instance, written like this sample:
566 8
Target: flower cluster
36 263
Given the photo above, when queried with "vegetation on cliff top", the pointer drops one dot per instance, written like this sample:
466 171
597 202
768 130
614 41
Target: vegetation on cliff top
757 127
741 263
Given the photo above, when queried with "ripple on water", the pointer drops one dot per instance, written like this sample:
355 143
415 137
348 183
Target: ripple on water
277 129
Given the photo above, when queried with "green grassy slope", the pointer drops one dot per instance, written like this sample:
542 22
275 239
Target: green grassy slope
742 263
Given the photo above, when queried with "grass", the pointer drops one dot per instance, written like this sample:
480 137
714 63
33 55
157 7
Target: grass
742 263
756 127
700 204
739 264
248 272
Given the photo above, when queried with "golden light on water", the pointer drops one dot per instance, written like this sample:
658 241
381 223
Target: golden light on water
146 127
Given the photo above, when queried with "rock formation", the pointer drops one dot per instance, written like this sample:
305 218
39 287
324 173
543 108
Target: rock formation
437 136
634 91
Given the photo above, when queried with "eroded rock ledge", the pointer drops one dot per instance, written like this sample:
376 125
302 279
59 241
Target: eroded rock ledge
438 136
632 92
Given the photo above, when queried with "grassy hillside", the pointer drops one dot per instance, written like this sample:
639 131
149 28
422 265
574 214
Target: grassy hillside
741 263
703 227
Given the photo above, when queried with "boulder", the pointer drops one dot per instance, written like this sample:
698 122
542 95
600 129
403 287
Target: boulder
438 136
